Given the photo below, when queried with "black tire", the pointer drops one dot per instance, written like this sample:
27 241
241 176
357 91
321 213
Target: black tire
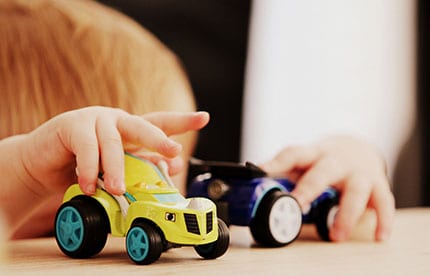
270 227
222 210
217 248
144 243
323 216
81 227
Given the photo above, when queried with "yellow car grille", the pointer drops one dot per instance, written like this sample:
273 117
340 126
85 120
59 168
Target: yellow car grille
193 224
209 221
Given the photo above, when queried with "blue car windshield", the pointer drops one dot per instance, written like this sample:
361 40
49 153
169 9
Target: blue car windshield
169 198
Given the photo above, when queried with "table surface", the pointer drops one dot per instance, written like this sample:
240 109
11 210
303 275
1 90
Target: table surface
408 251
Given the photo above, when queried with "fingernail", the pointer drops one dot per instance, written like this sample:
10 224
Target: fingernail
89 189
86 187
119 186
338 235
382 237
198 113
176 162
173 143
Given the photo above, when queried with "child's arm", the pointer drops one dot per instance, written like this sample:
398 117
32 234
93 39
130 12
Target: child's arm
351 166
37 165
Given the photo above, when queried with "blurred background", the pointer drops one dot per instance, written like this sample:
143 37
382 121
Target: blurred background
303 69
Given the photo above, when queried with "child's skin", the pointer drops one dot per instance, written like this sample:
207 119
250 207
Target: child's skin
42 163
351 166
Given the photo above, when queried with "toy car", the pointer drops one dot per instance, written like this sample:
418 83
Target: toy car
152 215
246 196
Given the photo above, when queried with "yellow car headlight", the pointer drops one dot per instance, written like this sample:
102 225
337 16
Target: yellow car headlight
170 216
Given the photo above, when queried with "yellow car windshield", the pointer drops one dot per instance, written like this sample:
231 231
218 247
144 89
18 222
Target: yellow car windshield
169 198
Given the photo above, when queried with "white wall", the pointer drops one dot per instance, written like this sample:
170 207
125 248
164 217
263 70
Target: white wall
325 67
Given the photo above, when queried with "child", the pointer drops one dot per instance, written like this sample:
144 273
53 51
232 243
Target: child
66 67
58 56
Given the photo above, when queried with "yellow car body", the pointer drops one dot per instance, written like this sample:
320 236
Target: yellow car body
151 198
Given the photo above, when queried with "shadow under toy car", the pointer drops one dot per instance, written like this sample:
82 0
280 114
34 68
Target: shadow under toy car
152 214
246 196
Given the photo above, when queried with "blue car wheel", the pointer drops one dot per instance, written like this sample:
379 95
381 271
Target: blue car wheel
144 244
81 227
278 220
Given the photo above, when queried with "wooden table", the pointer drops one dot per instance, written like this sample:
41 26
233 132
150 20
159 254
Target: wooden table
406 253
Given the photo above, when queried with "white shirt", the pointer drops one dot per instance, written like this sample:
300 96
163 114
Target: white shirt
317 68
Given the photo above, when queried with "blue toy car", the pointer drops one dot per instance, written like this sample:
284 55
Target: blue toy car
246 196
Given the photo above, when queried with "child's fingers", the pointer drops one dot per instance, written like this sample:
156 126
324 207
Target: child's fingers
178 122
325 172
86 149
112 156
355 196
291 158
383 202
140 132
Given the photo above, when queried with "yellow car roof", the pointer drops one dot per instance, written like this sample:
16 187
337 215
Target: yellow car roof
143 174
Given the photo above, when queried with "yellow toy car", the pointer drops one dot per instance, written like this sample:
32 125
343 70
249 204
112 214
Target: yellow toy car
152 215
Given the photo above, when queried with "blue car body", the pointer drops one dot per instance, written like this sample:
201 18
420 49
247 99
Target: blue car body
245 195
245 187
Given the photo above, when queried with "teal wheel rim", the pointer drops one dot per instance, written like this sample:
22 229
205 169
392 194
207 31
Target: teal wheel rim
137 244
69 229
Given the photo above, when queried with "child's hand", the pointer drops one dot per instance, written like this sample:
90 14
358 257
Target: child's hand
353 167
93 139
